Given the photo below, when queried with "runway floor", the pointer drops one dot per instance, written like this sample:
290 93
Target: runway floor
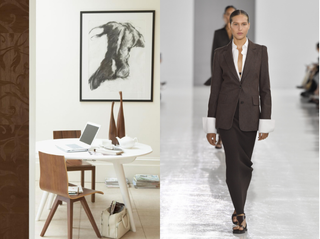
283 197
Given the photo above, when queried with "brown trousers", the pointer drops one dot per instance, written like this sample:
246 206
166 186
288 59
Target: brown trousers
238 146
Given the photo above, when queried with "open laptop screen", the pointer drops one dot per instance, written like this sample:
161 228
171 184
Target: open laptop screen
89 134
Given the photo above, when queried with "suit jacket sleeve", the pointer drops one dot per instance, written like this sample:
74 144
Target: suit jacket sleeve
264 86
209 123
266 125
216 79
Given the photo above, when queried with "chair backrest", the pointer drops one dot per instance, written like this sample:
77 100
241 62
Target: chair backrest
53 174
65 134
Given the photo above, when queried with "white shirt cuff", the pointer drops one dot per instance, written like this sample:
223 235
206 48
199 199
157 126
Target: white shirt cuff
209 125
266 125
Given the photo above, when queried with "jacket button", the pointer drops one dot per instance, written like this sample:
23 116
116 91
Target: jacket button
240 86
241 102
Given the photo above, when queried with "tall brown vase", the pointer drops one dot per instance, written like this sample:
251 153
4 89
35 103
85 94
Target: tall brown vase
121 132
112 128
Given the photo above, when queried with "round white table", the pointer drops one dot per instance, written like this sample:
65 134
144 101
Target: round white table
129 155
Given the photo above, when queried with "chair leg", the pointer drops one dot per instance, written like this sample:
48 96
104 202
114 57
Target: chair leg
70 217
50 216
93 183
89 214
82 178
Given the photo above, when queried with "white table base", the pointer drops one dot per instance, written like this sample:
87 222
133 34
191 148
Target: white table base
124 191
51 197
42 203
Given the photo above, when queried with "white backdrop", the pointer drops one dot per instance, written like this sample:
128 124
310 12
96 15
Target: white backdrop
290 30
177 42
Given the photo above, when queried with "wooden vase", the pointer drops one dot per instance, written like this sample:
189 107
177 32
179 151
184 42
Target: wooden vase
112 128
121 132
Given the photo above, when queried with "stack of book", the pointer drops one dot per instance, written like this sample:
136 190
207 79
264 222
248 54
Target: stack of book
75 190
113 183
146 181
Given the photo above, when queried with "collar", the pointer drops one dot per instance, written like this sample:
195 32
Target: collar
244 47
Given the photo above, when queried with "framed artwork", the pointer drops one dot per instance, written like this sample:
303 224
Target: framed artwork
117 54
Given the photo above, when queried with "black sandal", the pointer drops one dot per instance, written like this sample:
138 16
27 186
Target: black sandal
234 215
240 220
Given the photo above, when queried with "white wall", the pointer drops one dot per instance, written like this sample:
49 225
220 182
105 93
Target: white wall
57 74
290 30
177 42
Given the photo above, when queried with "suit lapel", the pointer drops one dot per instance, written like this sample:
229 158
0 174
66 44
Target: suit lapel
250 60
229 59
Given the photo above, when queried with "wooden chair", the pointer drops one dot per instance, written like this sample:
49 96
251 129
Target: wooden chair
54 179
77 165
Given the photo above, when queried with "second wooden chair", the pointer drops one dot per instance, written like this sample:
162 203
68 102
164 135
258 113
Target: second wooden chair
77 165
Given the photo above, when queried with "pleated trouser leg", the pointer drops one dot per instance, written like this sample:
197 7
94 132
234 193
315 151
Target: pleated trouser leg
238 147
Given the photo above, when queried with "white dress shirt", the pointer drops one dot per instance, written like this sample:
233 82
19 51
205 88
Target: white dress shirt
235 54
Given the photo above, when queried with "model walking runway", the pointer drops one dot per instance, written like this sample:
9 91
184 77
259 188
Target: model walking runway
283 193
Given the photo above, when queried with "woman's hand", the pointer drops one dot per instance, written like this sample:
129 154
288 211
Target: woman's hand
212 139
263 136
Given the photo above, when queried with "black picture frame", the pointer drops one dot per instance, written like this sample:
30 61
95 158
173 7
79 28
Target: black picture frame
117 54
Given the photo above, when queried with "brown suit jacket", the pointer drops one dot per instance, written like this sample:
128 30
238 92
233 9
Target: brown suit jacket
251 92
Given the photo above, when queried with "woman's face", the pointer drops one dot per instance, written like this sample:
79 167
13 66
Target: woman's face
239 26
226 15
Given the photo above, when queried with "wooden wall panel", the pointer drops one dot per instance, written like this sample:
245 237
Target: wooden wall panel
14 119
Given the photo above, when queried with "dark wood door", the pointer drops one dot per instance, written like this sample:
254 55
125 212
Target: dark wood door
14 119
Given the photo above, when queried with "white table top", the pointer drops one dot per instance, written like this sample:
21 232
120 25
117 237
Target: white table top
129 155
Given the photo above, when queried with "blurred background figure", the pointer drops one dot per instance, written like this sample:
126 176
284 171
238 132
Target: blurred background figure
222 36
311 82
162 83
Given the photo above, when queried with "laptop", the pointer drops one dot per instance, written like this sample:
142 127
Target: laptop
84 142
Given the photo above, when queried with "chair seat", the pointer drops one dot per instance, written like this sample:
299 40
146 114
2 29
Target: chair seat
86 192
